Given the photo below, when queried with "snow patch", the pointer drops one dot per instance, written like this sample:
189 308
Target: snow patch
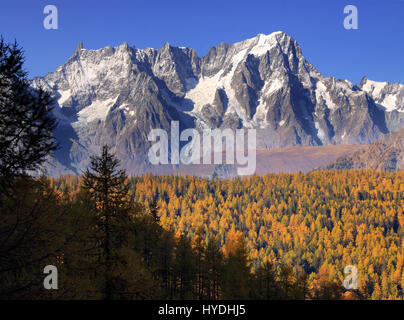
320 132
374 87
269 88
388 99
205 89
321 92
272 86
264 44
389 102
97 110
64 95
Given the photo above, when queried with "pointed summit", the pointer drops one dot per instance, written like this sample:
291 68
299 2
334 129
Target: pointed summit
363 81
79 47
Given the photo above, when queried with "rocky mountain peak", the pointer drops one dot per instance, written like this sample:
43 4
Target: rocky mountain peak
79 46
117 95
388 96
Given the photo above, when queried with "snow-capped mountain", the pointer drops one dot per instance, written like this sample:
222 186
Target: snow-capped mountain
387 95
390 98
117 95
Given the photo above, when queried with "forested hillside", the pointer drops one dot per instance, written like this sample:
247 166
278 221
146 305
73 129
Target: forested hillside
314 223
385 154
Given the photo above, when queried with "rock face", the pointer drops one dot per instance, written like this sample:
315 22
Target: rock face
389 98
117 95
384 154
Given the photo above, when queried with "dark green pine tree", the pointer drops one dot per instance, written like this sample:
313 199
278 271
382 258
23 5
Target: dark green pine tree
266 286
108 192
214 267
154 211
26 124
31 219
185 268
200 262
235 281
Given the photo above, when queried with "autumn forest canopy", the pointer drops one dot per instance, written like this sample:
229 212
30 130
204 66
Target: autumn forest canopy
308 225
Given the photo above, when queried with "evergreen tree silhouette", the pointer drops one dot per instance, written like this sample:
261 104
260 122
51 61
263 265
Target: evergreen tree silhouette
108 189
26 124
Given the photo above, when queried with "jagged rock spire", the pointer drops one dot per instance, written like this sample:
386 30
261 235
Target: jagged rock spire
79 47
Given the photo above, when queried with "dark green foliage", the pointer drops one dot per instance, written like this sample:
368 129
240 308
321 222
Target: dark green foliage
32 235
107 191
26 126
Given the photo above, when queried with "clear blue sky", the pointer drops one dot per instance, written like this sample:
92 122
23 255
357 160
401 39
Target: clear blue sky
376 49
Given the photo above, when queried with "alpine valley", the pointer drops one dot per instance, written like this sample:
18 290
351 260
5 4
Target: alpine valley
116 96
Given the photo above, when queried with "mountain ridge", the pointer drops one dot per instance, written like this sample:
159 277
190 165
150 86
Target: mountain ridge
118 95
385 154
